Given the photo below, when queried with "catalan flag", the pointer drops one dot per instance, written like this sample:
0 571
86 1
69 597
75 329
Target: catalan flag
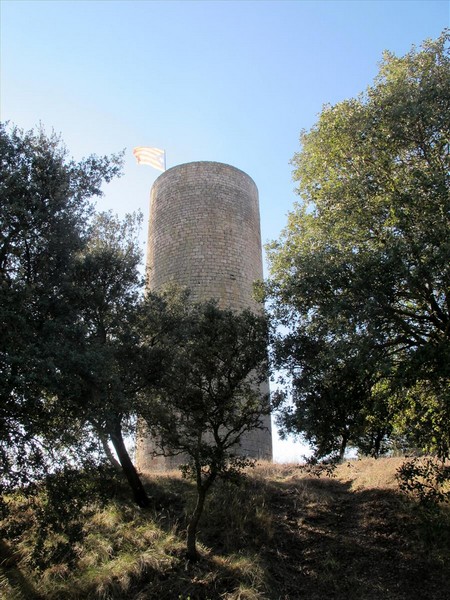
154 157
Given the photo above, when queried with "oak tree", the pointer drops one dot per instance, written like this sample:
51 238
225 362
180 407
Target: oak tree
210 396
364 261
44 215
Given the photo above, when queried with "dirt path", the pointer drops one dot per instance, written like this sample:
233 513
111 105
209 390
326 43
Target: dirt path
334 543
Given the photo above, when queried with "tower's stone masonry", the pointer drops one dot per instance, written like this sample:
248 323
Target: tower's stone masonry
204 233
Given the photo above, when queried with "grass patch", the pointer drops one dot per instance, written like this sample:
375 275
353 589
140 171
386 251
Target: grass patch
279 533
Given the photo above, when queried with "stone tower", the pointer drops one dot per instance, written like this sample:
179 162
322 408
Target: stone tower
204 233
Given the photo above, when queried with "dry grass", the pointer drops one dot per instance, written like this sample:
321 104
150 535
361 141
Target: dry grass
370 473
282 534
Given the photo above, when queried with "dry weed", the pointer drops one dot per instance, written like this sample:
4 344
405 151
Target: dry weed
370 473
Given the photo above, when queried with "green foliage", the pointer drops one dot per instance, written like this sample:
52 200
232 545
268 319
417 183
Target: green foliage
81 345
426 479
210 395
44 216
361 275
423 416
71 358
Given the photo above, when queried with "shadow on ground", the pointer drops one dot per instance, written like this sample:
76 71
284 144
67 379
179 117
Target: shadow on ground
332 542
298 538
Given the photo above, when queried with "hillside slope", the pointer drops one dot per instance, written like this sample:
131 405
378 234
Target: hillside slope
282 534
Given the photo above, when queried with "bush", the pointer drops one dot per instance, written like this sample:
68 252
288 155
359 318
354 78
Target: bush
428 480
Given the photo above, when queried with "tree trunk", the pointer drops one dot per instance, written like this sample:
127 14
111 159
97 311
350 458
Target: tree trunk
202 490
139 493
343 448
377 444
109 455
193 524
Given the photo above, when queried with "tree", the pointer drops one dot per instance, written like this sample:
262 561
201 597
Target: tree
365 255
333 386
80 342
102 361
210 396
44 215
121 341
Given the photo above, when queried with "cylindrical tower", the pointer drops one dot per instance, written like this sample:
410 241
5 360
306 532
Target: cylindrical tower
204 234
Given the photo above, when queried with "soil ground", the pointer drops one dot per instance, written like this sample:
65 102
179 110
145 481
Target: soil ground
350 544
282 534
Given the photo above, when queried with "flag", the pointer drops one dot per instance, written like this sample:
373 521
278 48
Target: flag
154 157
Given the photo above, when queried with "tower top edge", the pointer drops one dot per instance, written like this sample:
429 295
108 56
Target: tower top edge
205 164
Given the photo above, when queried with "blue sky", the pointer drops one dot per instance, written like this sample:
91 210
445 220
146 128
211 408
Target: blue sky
227 81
